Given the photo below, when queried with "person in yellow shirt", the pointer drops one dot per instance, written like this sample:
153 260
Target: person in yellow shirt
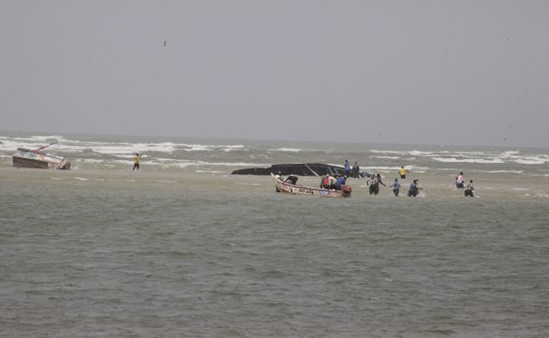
136 162
403 172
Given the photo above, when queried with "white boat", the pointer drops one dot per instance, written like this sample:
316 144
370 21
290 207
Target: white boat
27 158
291 188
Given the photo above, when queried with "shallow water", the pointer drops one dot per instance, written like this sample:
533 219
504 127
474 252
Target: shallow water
163 252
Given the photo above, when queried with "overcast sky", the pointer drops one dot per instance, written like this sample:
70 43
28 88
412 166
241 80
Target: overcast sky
436 72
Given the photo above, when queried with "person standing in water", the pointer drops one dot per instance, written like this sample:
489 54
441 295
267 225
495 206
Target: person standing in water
355 170
402 171
374 183
396 187
460 180
346 168
469 189
414 189
136 162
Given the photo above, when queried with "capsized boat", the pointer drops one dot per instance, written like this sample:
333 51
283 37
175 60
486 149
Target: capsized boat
302 169
27 158
289 186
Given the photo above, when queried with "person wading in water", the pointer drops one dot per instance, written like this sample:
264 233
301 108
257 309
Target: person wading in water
136 162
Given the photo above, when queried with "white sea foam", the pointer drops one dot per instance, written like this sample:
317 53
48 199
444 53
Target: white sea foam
504 171
510 153
87 160
288 150
386 157
380 168
403 152
410 167
416 168
209 147
32 142
167 162
531 160
109 148
468 160
233 147
209 172
467 153
129 149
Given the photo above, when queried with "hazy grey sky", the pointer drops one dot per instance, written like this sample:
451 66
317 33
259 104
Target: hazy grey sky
441 72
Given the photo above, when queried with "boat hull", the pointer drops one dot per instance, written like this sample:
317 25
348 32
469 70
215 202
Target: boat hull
21 162
301 169
25 158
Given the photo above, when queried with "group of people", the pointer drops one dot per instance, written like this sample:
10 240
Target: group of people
330 181
375 180
467 189
349 171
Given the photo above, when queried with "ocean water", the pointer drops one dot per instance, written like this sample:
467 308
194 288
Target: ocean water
184 249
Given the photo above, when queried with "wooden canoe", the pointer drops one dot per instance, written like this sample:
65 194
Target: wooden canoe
296 189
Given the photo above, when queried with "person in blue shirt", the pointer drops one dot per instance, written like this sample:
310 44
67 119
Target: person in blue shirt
347 168
396 187
341 180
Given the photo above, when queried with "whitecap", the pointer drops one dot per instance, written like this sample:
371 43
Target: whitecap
209 147
396 152
88 160
415 168
420 153
504 171
233 148
381 168
209 171
288 150
531 160
386 157
468 160
509 153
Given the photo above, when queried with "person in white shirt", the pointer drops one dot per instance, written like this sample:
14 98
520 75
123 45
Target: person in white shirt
460 180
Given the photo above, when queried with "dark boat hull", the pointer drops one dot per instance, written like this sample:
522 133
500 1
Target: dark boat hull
300 169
